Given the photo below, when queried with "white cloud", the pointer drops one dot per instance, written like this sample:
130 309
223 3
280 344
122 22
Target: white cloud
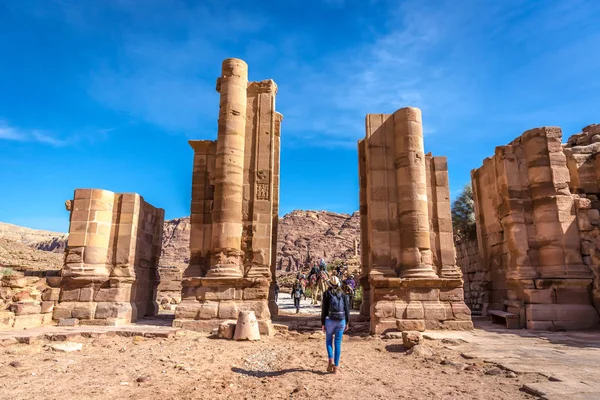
8 132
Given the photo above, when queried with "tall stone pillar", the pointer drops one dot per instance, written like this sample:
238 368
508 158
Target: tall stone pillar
226 257
411 181
401 286
235 203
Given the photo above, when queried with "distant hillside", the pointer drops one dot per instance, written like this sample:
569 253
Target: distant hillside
304 236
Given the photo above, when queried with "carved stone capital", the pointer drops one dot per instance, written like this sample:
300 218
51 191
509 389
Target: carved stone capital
266 86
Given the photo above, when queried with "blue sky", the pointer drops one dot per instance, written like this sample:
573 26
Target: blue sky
106 94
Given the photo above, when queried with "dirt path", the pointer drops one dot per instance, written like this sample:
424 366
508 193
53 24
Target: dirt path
287 366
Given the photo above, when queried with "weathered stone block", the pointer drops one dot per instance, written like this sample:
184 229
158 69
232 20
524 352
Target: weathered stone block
228 310
260 308
51 294
400 309
457 325
424 294
25 308
410 325
68 322
384 309
187 310
69 294
84 311
208 310
212 294
437 311
414 310
62 310
256 293
456 294
382 326
226 329
28 321
104 311
460 311
86 294
47 307
117 294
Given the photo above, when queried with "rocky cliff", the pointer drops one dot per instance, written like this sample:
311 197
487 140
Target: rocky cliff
304 236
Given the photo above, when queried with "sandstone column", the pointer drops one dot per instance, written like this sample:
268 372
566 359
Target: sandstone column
416 256
226 257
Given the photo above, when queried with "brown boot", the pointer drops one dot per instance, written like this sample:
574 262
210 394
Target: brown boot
335 369
330 366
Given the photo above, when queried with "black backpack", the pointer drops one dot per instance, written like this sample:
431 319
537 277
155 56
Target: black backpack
337 306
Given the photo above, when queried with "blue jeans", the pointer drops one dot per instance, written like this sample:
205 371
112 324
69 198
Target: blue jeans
334 327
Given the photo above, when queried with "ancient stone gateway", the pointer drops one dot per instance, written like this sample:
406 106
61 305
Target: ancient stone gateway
235 199
110 273
410 277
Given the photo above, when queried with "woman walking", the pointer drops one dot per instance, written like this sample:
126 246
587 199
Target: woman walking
335 316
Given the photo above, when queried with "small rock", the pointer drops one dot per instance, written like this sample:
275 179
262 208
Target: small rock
66 347
494 371
183 367
16 364
511 374
466 356
138 339
124 383
411 339
142 379
471 368
421 350
393 335
457 365
554 379
452 342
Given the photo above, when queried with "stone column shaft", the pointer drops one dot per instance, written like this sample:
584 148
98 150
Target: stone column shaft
411 181
226 257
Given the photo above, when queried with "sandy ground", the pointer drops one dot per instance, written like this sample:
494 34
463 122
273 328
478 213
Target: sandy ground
289 365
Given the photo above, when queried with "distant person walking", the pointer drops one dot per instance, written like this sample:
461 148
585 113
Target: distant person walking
276 291
297 293
335 317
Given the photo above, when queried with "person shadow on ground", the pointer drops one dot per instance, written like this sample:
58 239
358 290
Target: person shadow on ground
270 374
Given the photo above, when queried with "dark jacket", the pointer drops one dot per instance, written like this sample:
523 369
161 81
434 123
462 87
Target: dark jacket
325 307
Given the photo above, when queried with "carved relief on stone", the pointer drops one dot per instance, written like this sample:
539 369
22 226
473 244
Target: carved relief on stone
227 256
262 191
262 176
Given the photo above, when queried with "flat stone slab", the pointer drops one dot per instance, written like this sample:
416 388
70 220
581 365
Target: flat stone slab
62 333
570 360
66 347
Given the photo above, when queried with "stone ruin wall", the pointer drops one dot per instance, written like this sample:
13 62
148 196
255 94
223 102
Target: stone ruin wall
476 279
538 229
169 287
110 274
235 200
409 272
27 300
